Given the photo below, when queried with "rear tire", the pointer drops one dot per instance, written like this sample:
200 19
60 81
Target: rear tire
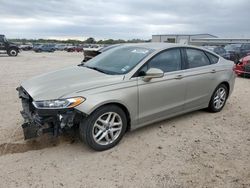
218 99
104 128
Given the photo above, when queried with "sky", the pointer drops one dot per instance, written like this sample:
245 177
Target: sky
122 19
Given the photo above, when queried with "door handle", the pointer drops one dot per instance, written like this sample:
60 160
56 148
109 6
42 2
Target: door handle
213 71
179 77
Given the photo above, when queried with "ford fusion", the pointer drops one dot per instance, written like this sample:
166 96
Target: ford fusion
125 88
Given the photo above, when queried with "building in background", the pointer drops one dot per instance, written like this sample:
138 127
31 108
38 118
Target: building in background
198 39
182 39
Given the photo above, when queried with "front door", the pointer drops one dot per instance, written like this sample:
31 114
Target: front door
160 98
2 44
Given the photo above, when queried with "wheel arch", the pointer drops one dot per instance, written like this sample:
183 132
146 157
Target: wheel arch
120 105
14 47
227 85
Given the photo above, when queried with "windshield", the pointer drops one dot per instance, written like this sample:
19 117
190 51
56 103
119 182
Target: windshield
119 60
4 39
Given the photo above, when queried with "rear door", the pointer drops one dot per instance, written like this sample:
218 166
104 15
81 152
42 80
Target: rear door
200 77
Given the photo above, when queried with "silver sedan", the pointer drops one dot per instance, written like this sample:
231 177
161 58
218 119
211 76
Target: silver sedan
125 88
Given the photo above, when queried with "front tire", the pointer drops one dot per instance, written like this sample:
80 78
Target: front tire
12 52
104 128
218 99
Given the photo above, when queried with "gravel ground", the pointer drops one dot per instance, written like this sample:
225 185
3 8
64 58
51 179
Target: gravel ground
199 149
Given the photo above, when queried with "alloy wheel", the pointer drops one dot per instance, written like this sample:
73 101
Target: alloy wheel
220 98
107 128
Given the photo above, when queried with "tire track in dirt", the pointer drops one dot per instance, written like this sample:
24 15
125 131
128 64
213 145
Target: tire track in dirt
45 141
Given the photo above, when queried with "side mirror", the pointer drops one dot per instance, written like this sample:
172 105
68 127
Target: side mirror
153 73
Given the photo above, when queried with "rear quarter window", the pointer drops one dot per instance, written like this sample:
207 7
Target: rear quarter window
213 59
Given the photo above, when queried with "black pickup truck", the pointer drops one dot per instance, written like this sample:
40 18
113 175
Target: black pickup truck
7 47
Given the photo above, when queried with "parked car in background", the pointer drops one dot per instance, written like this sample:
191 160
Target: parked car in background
229 55
70 48
217 49
237 51
8 47
86 45
90 53
75 49
60 47
242 68
125 88
94 46
26 47
244 50
44 48
79 48
233 48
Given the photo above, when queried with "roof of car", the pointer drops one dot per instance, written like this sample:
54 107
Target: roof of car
156 46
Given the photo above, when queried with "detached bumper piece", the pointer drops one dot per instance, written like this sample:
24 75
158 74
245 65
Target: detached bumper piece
38 122
33 131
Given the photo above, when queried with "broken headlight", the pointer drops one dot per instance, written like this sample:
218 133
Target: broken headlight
59 103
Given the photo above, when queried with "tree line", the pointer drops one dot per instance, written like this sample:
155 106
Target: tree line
89 40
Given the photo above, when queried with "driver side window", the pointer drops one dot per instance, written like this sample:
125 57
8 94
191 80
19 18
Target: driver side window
167 61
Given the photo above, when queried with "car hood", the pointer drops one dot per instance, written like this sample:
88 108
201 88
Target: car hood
11 44
246 58
58 84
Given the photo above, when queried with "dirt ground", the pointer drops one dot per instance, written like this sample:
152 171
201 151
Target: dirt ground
199 149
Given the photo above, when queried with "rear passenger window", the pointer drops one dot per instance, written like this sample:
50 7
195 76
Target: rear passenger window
197 58
213 59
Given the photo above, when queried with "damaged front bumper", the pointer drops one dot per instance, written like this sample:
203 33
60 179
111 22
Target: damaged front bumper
40 121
